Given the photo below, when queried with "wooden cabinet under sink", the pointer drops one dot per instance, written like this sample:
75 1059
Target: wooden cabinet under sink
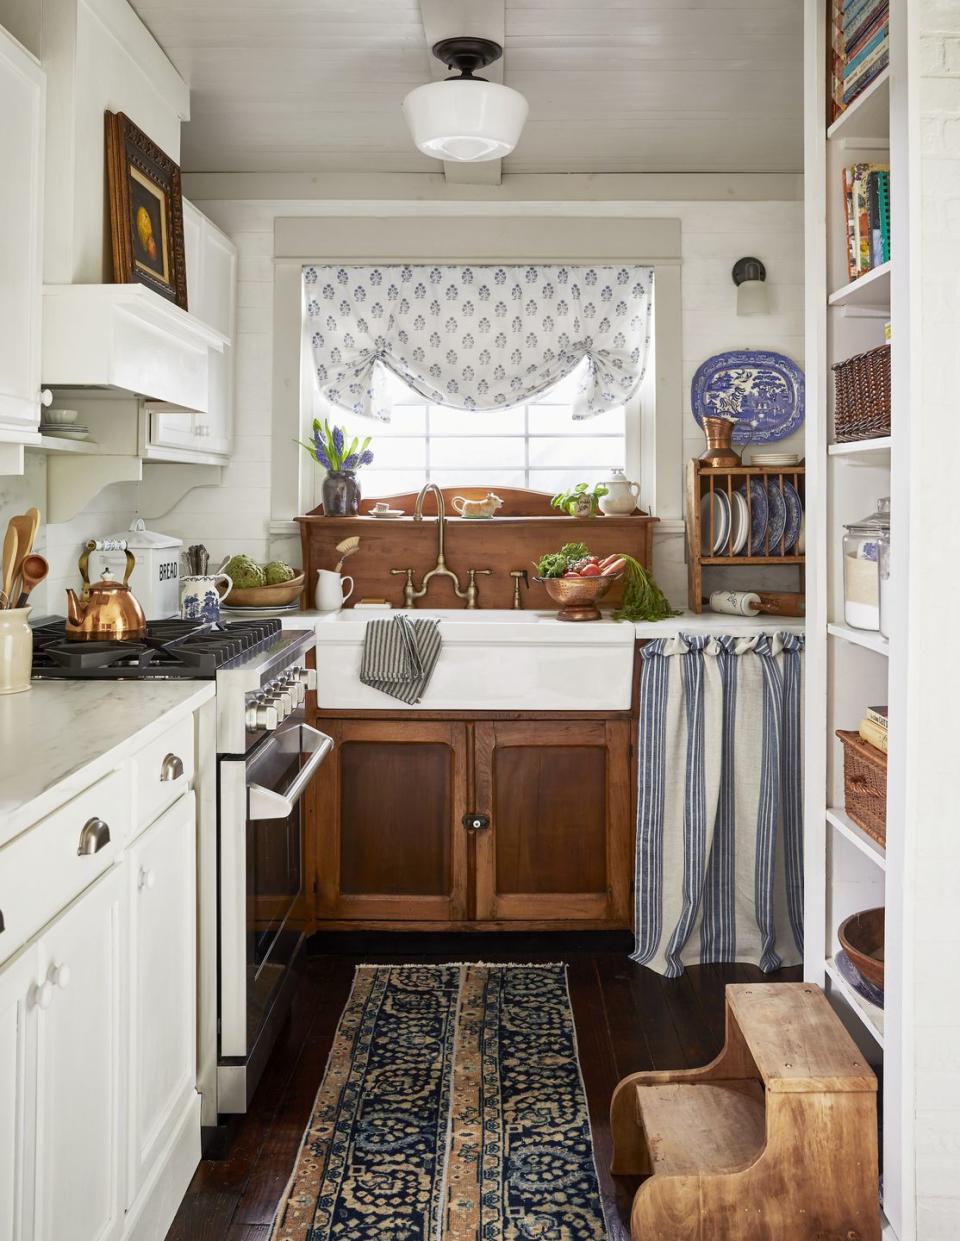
485 823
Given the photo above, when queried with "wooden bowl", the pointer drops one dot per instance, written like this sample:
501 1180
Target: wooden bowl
578 597
266 596
862 938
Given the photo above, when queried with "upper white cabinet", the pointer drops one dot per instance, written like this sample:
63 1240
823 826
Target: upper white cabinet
21 214
212 298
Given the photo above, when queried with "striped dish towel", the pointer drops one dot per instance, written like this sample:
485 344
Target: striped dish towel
399 656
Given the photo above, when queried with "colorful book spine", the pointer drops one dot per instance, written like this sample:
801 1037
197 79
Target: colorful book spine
864 34
853 11
867 56
878 715
848 221
858 87
879 58
883 202
868 18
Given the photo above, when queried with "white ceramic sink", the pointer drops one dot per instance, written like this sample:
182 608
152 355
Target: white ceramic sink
491 660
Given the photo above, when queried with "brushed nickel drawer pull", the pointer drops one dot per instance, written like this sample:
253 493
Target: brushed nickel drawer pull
94 836
171 768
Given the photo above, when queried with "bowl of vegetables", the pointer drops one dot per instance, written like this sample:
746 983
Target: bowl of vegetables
578 580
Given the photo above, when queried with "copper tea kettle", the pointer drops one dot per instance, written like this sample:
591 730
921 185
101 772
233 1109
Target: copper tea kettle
107 611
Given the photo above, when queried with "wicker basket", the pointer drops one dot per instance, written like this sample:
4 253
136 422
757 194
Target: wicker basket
862 390
865 785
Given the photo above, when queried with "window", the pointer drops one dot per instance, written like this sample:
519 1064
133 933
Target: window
537 445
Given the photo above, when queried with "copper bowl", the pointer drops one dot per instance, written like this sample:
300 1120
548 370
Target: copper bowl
862 938
578 597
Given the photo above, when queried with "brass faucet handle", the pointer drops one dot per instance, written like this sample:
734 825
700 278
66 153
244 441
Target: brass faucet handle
408 591
472 592
519 575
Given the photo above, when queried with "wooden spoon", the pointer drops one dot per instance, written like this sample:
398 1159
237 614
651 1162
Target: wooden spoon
33 569
11 544
27 526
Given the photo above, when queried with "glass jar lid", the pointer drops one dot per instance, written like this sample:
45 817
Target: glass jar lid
879 520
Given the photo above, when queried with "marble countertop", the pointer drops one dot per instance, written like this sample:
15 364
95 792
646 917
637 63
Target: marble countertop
688 622
60 736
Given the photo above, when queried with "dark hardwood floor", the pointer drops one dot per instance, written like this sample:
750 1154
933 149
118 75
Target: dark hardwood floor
627 1017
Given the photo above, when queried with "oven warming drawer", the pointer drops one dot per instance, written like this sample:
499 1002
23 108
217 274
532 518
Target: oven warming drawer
260 883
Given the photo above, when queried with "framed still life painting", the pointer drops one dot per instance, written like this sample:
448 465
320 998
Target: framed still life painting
146 211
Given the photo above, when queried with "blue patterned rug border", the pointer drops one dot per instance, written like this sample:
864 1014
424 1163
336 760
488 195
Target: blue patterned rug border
332 1191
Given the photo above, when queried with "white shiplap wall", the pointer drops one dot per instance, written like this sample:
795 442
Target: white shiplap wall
236 516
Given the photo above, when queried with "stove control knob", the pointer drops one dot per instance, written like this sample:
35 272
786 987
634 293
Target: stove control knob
308 677
262 714
281 700
293 686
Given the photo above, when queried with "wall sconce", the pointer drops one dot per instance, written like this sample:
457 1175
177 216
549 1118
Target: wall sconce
749 276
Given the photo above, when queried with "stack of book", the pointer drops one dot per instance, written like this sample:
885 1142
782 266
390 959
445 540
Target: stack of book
873 727
860 48
866 201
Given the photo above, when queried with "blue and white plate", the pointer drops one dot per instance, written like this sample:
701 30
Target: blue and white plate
763 390
794 516
759 512
777 520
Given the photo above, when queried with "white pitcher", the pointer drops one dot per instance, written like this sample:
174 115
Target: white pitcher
332 592
621 497
16 650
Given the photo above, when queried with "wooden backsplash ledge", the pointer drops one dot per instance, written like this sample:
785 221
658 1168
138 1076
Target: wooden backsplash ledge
501 544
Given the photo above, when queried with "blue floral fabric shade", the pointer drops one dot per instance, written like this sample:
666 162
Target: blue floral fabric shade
477 338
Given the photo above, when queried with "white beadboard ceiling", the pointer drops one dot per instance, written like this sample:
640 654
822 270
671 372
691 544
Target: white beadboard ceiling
613 85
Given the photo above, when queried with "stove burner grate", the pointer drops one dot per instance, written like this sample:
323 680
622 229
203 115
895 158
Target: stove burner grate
171 649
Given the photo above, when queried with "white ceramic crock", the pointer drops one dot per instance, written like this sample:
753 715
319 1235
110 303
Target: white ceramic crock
16 650
621 497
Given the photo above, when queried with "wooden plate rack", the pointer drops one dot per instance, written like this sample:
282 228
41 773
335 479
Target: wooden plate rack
703 480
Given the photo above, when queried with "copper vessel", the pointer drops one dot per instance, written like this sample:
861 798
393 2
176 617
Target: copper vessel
107 611
578 596
720 450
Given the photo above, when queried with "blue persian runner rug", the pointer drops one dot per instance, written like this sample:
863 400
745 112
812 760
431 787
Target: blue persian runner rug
452 1109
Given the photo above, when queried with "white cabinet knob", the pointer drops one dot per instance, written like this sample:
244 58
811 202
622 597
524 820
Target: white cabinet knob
46 398
60 975
146 879
43 994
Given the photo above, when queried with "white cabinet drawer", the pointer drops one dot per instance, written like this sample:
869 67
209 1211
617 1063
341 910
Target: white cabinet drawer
162 771
43 869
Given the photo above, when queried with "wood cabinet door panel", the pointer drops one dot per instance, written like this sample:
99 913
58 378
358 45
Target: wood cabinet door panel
557 794
390 843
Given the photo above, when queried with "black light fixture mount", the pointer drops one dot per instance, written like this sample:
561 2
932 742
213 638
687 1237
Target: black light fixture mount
465 54
748 269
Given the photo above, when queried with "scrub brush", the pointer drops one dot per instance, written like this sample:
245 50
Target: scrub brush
347 548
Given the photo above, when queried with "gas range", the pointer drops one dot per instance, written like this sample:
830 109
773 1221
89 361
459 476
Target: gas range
259 667
170 650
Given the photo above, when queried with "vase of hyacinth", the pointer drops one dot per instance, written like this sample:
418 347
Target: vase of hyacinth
340 491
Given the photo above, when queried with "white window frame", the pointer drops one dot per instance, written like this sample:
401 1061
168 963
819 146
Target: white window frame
655 446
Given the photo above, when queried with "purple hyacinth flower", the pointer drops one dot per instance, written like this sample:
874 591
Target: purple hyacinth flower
366 458
338 439
351 462
320 450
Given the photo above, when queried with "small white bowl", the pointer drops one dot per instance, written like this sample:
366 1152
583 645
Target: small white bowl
59 417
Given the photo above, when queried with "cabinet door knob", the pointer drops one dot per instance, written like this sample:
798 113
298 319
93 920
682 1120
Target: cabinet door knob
146 878
93 837
475 822
42 994
171 768
2 927
60 975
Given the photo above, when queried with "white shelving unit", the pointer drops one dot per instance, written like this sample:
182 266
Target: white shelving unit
849 669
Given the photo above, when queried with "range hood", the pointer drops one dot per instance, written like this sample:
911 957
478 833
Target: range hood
129 338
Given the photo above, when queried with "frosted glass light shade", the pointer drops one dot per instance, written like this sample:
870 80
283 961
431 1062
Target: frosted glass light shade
752 298
465 119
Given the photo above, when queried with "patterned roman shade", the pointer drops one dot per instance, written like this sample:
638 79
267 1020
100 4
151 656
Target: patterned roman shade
477 338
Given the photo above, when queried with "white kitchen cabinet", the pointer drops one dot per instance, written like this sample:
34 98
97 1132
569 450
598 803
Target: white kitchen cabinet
22 91
17 1089
161 887
212 297
80 1069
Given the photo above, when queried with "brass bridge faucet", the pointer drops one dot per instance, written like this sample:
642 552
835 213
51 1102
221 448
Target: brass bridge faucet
412 593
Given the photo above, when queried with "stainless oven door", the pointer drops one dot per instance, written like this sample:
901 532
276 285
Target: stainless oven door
261 876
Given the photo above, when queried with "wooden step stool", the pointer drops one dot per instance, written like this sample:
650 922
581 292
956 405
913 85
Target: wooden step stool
775 1140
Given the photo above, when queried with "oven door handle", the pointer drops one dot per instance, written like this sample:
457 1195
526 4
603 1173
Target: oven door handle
266 803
